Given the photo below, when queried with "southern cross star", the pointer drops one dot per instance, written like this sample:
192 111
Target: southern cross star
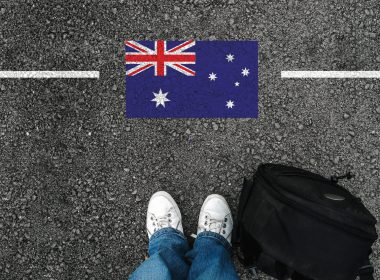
245 71
237 84
160 98
212 76
230 57
230 104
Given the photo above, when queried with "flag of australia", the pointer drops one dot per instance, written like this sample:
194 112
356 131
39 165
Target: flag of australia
191 79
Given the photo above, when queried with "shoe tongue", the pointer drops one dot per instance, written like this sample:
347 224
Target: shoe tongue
216 215
162 212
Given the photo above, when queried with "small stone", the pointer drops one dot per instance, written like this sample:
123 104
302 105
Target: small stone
134 192
27 133
300 126
351 133
128 128
232 21
336 160
277 125
138 199
2 87
215 126
126 169
312 161
114 87
231 2
378 110
114 10
346 116
278 137
378 58
166 16
2 11
188 131
176 8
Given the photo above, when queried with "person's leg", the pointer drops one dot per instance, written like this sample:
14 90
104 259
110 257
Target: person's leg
211 255
167 244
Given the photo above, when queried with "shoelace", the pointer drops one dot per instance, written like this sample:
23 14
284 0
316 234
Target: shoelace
162 221
215 224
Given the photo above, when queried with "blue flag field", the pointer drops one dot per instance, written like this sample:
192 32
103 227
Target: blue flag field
191 79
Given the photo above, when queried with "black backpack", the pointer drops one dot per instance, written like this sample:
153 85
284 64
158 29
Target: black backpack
294 224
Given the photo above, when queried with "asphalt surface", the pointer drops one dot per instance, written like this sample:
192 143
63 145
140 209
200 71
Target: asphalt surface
76 175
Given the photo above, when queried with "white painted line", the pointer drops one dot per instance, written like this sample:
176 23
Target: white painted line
49 74
331 74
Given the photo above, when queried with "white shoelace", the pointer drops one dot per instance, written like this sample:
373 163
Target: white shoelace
163 221
213 224
160 222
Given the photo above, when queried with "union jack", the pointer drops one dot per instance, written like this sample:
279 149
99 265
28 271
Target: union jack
160 58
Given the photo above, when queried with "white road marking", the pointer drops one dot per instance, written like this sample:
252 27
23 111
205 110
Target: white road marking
49 74
331 74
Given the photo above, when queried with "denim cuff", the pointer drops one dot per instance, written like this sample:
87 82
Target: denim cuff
216 236
166 230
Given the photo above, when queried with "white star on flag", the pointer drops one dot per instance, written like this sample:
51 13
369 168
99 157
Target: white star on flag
212 76
230 57
230 104
237 84
160 98
245 71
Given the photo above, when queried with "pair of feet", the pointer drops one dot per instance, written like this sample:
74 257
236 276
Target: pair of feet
215 215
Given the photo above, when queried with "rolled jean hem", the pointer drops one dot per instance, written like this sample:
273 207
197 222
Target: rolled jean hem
167 230
216 236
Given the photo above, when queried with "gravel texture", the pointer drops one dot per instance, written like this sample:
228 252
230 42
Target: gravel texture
76 175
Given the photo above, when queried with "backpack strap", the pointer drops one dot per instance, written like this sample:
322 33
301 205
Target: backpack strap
249 248
273 267
243 199
298 276
366 271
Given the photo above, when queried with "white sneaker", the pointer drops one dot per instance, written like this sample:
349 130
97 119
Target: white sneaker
216 216
162 212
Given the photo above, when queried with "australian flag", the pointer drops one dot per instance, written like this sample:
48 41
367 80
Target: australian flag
191 79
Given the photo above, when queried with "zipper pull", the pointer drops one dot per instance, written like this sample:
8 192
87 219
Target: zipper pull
335 179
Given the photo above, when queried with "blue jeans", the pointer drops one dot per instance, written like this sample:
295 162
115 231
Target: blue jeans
171 257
